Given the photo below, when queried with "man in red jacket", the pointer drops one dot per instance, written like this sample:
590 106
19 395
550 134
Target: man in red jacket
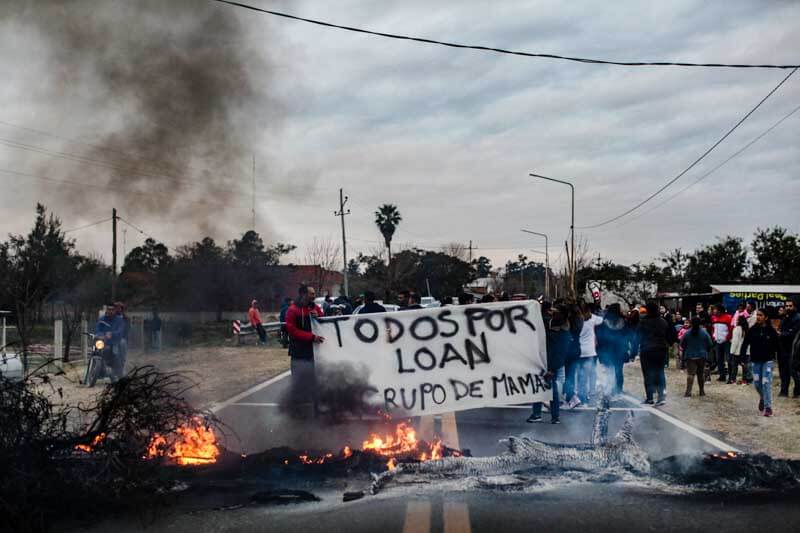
301 346
721 335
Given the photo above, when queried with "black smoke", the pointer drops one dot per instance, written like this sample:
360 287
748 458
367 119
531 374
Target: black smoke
174 98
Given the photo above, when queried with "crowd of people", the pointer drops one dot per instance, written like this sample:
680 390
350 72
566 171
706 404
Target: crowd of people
711 342
587 347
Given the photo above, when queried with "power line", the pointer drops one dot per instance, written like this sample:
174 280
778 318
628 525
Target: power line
113 165
502 50
136 172
127 155
137 228
695 162
733 155
116 189
87 225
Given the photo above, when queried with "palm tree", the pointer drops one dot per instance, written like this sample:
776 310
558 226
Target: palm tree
387 217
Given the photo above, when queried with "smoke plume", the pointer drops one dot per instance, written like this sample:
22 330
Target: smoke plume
171 98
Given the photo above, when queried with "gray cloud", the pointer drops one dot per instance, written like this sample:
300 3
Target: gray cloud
450 135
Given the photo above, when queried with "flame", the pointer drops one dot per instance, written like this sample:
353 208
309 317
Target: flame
401 444
404 440
436 450
731 454
89 448
193 443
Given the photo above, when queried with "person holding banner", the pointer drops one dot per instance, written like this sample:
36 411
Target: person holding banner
301 346
559 339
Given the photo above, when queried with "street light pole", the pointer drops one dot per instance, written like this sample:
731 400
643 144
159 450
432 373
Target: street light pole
546 262
571 229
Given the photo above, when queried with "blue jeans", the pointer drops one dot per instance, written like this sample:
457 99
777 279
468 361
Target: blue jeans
571 371
587 377
762 379
561 376
721 353
554 403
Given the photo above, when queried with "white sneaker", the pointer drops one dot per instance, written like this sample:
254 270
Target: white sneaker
574 402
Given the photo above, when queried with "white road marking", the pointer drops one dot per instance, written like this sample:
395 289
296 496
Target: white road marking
723 446
565 409
217 407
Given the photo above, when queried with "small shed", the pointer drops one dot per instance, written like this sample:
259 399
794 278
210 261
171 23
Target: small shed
771 297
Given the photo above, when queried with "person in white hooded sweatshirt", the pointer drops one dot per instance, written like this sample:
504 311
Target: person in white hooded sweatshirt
587 364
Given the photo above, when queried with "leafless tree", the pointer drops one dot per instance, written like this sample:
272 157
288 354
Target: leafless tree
323 253
457 249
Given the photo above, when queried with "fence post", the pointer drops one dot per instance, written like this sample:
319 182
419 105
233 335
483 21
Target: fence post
58 342
84 339
142 340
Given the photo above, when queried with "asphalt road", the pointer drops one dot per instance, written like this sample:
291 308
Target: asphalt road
576 505
259 423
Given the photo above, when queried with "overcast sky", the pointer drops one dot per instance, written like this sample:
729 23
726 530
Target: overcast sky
447 135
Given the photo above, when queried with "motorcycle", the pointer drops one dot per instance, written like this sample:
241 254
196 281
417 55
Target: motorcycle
101 360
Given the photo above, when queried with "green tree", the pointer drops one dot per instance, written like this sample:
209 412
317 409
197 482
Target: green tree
203 274
151 257
33 266
722 262
387 217
674 264
445 274
250 251
86 287
776 256
483 266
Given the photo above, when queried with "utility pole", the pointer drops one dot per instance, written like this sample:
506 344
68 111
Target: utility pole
114 254
470 251
598 261
124 243
254 192
341 213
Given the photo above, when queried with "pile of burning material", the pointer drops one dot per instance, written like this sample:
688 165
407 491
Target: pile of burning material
377 453
194 443
729 471
621 453
76 461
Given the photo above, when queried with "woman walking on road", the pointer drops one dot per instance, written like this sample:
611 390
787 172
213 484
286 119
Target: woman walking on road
652 340
739 356
695 346
762 341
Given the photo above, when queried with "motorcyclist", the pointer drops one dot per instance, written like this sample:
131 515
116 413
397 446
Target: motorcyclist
110 329
104 328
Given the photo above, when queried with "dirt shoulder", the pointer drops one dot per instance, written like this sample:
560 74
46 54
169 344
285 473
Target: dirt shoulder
220 371
729 412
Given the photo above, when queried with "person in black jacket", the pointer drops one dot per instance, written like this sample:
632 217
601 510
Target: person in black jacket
612 348
762 341
652 338
790 326
559 339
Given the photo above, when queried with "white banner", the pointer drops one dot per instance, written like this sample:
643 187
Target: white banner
437 360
